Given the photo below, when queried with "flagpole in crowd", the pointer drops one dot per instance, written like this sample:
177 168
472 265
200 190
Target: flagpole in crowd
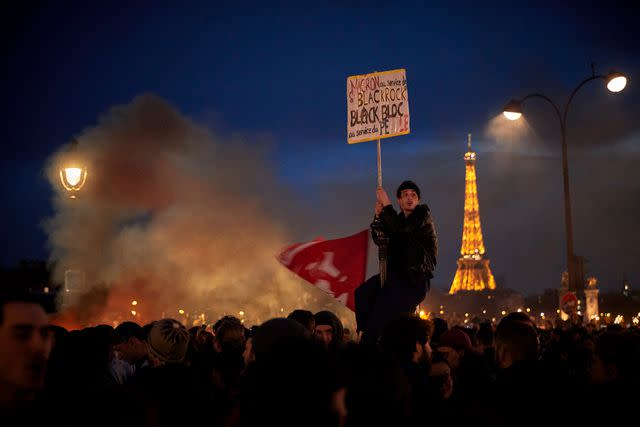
382 249
379 165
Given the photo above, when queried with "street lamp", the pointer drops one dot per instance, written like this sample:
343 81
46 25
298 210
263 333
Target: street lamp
73 175
615 82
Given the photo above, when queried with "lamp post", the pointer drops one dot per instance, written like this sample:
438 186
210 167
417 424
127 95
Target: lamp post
73 175
615 82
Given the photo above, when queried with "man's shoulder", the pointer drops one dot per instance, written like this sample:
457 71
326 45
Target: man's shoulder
422 210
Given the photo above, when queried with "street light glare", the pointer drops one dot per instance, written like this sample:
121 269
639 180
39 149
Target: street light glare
72 179
511 115
73 175
616 82
513 110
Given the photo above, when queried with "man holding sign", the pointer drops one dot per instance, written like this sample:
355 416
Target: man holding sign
377 108
412 248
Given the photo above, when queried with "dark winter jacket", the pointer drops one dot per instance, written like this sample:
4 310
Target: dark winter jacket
411 242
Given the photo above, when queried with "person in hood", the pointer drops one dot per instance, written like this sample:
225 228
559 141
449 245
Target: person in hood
328 330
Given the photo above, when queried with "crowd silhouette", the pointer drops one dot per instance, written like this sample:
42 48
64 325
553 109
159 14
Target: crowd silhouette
304 370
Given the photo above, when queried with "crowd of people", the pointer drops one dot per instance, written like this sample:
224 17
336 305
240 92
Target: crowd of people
303 370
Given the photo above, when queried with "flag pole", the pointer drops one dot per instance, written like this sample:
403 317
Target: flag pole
382 249
379 166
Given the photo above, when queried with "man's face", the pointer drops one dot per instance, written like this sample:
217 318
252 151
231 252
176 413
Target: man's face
26 341
131 349
440 374
323 333
408 200
451 355
428 352
423 353
248 355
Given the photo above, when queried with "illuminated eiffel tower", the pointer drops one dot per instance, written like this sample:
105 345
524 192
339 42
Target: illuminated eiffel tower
474 273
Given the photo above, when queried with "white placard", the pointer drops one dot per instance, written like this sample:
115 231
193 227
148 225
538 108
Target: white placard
377 106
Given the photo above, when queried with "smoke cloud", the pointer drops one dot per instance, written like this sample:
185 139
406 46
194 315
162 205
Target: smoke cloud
174 218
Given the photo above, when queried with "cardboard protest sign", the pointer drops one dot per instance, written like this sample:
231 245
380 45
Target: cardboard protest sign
377 106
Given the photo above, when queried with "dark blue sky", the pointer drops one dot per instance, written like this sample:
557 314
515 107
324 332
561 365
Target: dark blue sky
276 72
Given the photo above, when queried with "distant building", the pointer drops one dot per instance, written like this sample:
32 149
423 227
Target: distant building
591 299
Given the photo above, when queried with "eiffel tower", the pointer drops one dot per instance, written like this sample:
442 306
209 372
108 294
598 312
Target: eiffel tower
474 273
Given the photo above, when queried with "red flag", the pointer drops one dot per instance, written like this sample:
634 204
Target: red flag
335 266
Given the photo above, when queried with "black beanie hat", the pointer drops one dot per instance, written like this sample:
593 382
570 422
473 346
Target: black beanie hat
408 185
326 317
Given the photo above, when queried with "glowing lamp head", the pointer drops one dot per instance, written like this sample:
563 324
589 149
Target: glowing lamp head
513 110
616 82
73 178
73 175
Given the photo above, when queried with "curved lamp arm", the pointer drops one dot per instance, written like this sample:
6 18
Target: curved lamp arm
582 83
550 101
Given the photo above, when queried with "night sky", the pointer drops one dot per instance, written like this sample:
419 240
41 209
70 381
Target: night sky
274 75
